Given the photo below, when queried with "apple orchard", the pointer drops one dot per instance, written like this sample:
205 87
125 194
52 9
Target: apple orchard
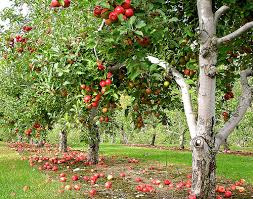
69 62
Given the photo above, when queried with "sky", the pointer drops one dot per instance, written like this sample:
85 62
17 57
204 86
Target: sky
7 3
4 4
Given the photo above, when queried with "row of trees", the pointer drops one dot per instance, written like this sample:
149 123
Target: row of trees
70 65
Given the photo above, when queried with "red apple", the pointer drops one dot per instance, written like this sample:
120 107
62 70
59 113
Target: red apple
138 180
119 10
66 3
109 75
88 89
113 16
167 182
92 192
122 175
77 187
98 97
55 168
126 5
225 114
102 83
55 3
86 178
97 11
82 86
106 119
108 82
108 185
94 104
101 67
87 99
129 12
101 119
63 179
62 175
75 178
227 194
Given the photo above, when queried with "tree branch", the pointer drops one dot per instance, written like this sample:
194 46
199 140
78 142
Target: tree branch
115 67
102 25
99 29
244 103
219 13
186 97
235 34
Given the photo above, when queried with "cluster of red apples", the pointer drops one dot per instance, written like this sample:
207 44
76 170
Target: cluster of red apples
93 97
111 16
56 3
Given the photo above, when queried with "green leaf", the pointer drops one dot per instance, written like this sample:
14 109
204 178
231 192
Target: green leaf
79 73
132 20
140 24
138 32
173 19
105 5
120 16
66 83
115 96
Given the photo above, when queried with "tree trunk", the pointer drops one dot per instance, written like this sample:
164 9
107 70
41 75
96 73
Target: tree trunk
63 141
182 139
226 145
203 155
203 169
113 138
124 137
93 150
153 140
94 138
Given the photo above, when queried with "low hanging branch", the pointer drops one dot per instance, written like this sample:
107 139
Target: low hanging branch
219 13
235 34
244 103
186 97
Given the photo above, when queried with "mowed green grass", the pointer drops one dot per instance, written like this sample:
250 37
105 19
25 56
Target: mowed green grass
15 174
232 167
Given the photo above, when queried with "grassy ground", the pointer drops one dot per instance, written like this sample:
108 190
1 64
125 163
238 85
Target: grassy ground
15 174
228 166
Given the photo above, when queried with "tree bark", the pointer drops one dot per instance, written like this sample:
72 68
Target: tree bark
204 143
226 145
93 149
94 138
182 139
63 141
124 137
153 140
203 170
203 155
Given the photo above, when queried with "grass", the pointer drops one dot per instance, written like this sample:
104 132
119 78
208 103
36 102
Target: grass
233 167
15 174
